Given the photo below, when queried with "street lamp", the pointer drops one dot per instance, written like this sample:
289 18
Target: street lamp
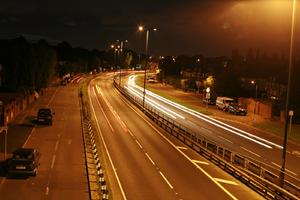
207 96
141 29
118 49
287 103
256 88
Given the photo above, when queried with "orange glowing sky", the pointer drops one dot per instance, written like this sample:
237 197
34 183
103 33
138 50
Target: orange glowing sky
208 27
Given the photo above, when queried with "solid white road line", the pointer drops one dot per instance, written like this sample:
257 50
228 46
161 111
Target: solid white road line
112 129
225 181
285 169
225 139
175 147
105 146
250 151
171 186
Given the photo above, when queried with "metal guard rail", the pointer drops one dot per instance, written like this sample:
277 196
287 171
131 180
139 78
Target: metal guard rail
251 173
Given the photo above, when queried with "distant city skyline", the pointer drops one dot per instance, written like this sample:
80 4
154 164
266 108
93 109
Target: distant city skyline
210 28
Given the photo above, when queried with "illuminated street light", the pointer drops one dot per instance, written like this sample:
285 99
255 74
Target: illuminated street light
287 103
141 28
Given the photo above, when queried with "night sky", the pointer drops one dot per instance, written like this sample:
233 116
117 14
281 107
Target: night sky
208 27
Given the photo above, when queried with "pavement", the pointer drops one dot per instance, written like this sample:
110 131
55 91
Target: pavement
18 130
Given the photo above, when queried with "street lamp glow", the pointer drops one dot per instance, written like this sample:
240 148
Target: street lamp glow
208 89
141 28
112 46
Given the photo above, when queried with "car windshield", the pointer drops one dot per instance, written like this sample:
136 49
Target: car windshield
45 111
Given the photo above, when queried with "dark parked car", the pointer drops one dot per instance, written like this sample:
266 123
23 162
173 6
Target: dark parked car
44 115
236 109
25 161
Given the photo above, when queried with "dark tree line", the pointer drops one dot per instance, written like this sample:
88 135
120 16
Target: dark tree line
230 73
26 66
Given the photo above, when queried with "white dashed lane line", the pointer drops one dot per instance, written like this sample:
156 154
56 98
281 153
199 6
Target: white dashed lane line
166 180
53 161
250 151
139 144
285 169
153 163
225 139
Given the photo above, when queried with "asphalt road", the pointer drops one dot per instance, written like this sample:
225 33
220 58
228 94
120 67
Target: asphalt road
144 162
62 172
250 142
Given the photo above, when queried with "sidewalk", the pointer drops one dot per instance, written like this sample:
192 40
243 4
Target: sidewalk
18 131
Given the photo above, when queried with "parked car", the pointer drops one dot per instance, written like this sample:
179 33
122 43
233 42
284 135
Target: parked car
222 103
236 109
24 161
44 115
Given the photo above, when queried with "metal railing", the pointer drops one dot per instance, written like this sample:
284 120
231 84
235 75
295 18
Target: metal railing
249 171
97 185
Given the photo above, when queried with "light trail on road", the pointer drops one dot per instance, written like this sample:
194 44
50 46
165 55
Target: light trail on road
234 130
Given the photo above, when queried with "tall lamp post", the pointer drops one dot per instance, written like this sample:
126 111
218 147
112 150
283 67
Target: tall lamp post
141 28
287 103
256 88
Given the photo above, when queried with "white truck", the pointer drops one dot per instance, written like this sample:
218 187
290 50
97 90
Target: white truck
223 103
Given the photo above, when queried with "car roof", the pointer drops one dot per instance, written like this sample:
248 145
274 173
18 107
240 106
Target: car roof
25 151
44 110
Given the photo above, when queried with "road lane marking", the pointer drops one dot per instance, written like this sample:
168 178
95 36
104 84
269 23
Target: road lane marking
56 146
153 163
53 161
139 144
285 169
33 129
250 151
184 148
112 129
200 162
119 120
174 146
225 139
171 186
105 146
47 190
50 101
130 133
69 141
225 181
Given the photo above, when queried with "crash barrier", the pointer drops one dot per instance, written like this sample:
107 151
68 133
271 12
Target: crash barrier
252 173
98 189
